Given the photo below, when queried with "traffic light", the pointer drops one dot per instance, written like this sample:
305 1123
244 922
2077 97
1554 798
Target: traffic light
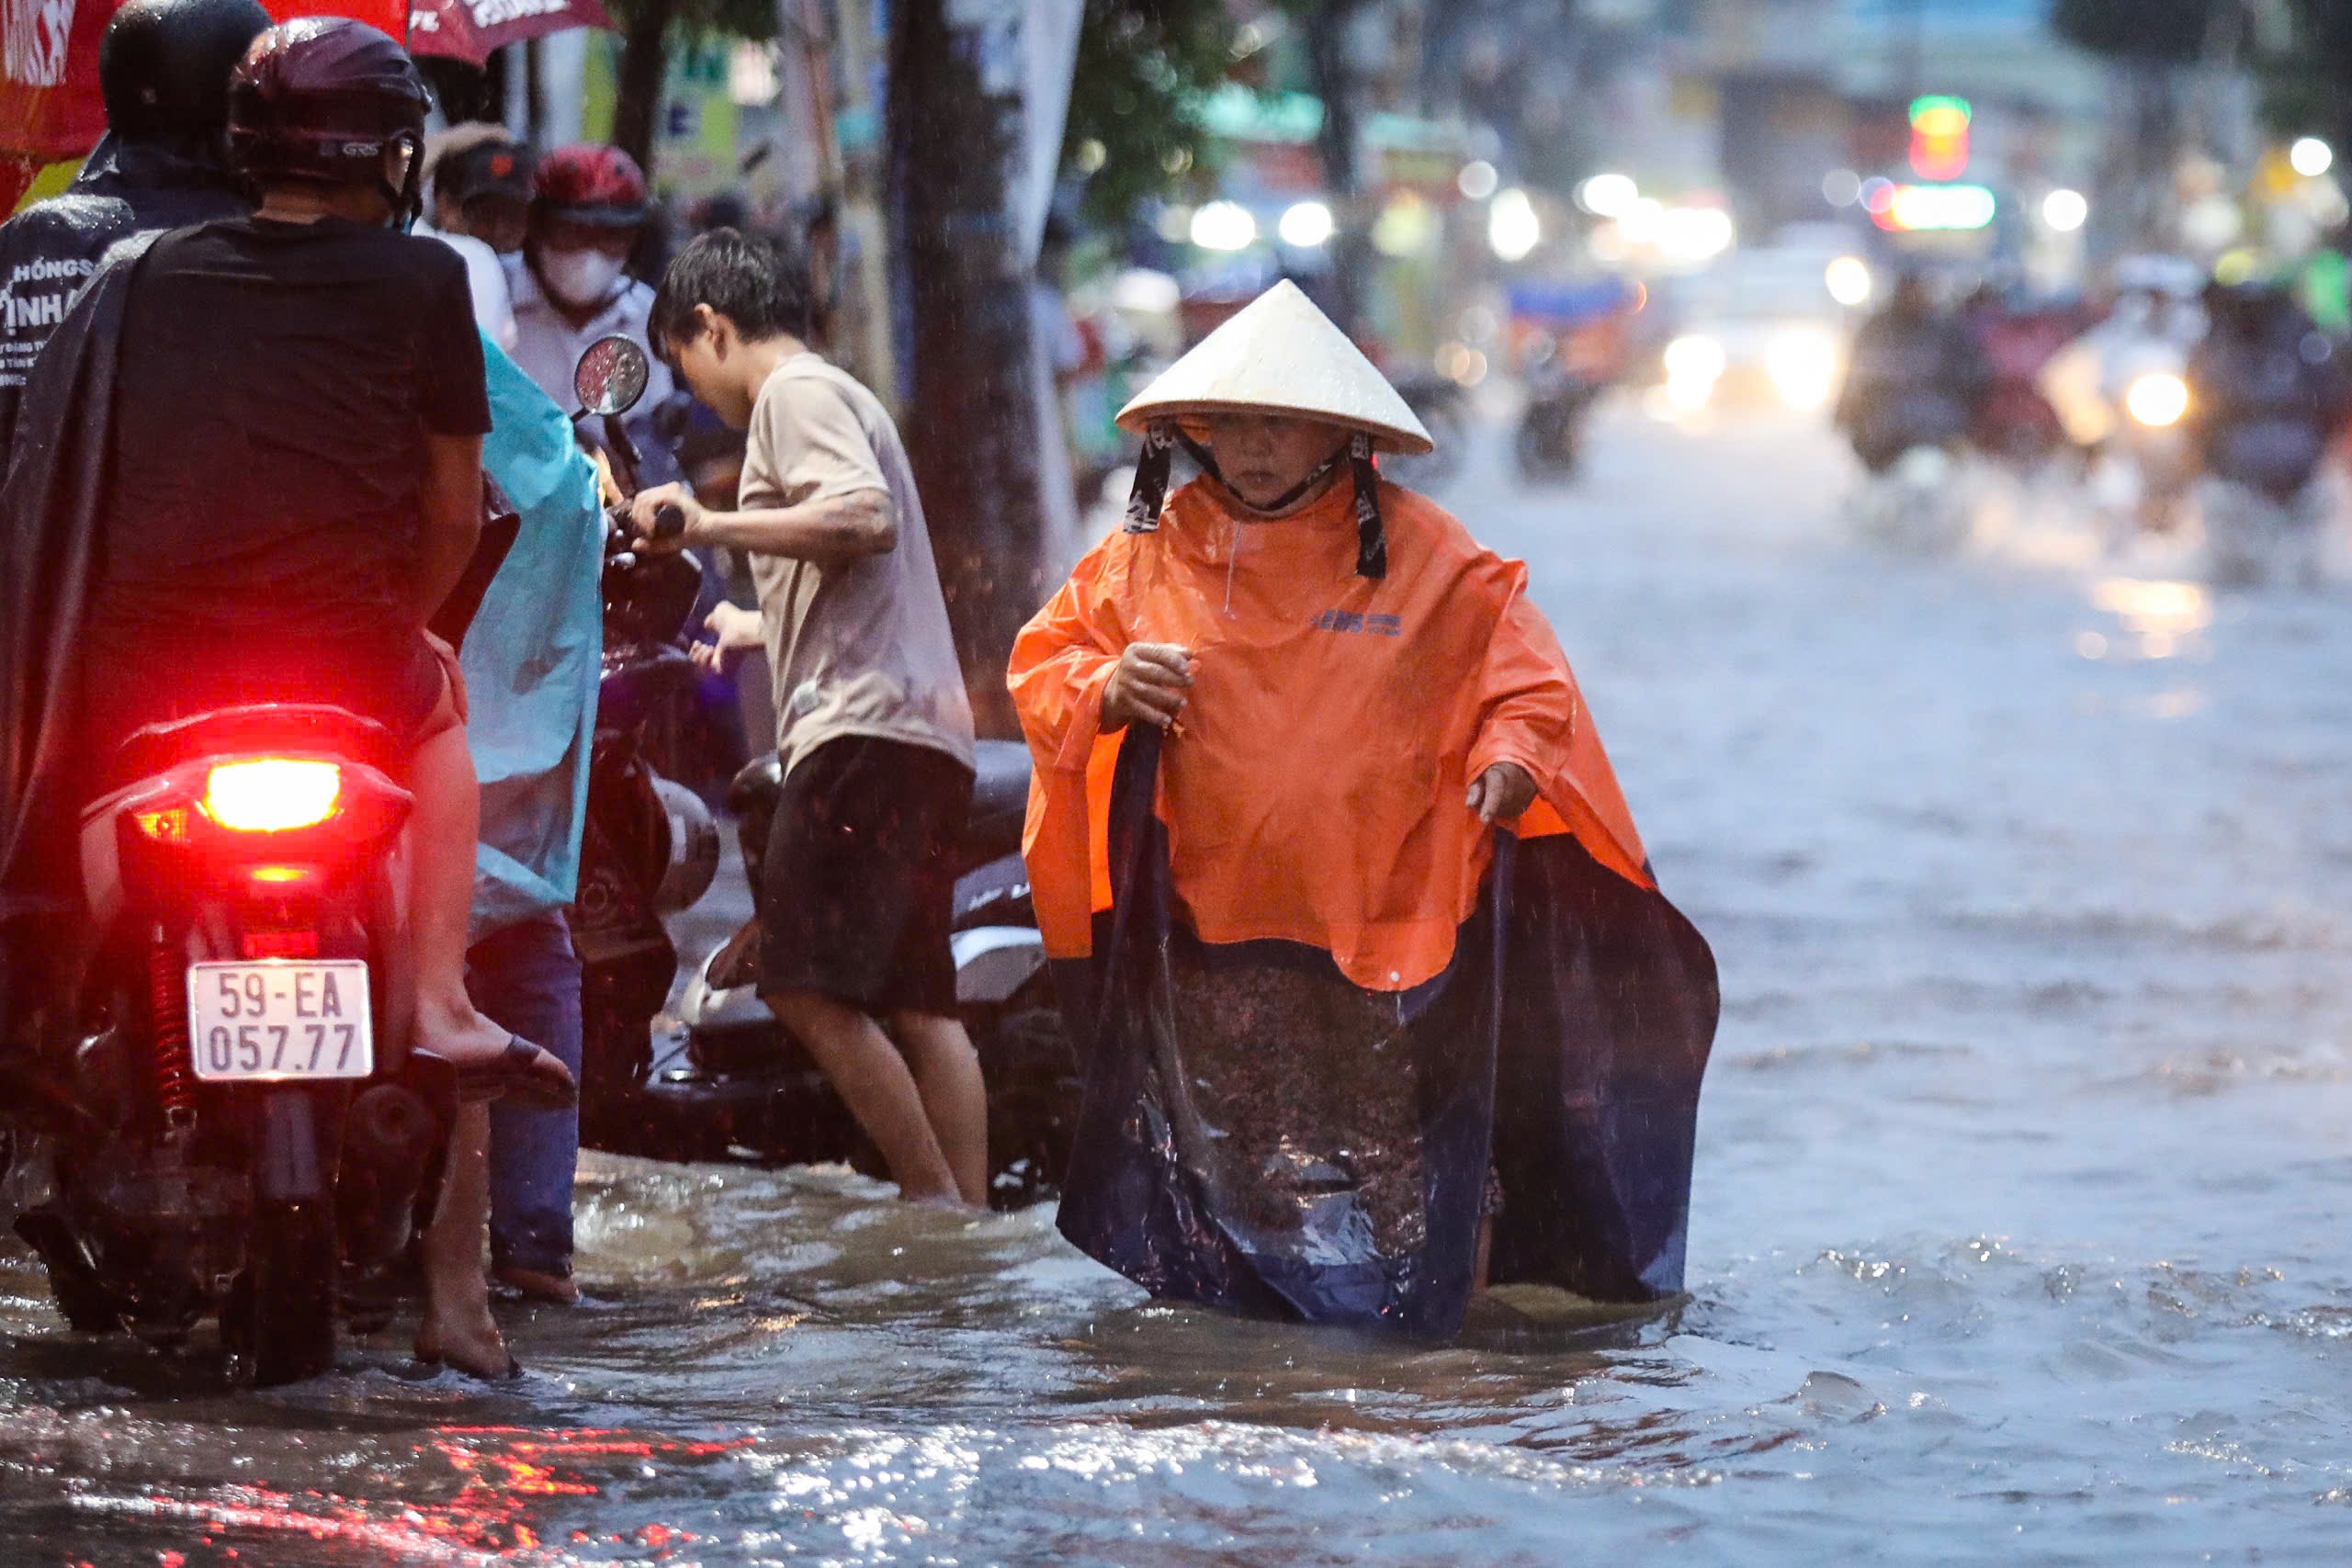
1939 137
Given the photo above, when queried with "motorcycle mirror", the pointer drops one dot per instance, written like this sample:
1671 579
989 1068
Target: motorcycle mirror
611 375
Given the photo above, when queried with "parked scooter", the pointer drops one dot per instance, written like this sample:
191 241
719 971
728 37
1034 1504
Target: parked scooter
730 1083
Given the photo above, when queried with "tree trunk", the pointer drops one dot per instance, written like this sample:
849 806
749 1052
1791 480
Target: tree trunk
2153 150
964 345
644 64
1336 147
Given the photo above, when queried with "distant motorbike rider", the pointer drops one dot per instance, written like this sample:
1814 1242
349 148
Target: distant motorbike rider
571 284
163 75
2266 391
1916 378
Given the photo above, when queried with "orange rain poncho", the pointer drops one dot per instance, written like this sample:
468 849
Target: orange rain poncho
1314 788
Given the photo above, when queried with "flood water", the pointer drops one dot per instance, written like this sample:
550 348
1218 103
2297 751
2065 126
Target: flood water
2018 1233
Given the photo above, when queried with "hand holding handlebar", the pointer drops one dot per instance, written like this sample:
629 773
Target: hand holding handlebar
664 518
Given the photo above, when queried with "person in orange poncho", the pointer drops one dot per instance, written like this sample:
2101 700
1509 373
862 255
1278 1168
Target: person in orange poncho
1345 901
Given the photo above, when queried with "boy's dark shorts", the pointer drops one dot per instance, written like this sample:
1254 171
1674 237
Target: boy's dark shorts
858 883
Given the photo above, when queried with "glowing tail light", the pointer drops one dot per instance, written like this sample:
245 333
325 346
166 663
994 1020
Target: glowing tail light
273 795
165 825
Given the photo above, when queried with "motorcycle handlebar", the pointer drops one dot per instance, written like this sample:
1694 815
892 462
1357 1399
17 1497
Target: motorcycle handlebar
621 539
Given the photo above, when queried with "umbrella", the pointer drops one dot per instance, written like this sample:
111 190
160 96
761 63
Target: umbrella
470 30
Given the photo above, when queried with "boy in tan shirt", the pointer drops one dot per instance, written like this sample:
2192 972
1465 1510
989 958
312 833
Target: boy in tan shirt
873 723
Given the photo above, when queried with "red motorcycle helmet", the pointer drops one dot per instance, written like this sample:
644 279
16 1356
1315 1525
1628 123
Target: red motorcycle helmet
322 98
590 184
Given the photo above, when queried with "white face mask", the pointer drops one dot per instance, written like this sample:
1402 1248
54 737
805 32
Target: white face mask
579 279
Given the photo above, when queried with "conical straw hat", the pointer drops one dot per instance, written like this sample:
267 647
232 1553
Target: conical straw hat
1280 355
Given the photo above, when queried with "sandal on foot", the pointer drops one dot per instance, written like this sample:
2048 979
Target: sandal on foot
515 1077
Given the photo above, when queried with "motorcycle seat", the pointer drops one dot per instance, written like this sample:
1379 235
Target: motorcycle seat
261 727
1000 801
751 796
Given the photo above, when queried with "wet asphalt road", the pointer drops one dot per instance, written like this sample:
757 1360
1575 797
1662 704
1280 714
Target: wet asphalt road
2017 1230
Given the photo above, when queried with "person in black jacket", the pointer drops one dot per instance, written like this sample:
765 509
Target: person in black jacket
255 482
164 72
1917 379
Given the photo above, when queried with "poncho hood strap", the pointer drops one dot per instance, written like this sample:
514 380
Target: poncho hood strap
1150 491
1371 539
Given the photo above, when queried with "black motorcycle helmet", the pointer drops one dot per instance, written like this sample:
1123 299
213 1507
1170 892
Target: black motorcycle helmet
322 98
164 66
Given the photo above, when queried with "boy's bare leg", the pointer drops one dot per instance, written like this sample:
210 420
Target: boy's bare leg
458 1327
954 1098
442 828
871 1078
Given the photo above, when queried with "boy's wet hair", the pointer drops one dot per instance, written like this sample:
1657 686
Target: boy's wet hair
759 287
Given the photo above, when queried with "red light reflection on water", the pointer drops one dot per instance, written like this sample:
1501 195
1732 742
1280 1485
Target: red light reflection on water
507 1472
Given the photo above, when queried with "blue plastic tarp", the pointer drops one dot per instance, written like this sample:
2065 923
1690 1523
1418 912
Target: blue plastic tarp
533 658
1257 1135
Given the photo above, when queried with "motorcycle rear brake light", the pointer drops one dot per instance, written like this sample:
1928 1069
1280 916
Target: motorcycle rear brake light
278 944
279 875
167 825
273 795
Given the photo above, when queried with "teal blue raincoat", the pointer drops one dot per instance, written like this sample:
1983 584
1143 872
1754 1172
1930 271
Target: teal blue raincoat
533 658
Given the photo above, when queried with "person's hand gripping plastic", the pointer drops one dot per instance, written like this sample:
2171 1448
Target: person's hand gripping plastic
1501 794
1149 685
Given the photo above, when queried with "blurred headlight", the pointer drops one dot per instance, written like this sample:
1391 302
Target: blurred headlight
1849 281
2157 399
1803 367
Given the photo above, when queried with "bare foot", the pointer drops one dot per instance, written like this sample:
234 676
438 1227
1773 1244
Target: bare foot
458 1327
538 1285
467 1339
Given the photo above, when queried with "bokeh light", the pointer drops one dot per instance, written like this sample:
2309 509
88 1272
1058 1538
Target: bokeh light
1849 281
1608 196
2066 210
1223 226
1512 226
1306 225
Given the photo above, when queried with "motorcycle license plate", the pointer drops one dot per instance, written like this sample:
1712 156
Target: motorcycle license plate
279 1020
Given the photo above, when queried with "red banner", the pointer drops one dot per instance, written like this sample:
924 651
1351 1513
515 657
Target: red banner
49 110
